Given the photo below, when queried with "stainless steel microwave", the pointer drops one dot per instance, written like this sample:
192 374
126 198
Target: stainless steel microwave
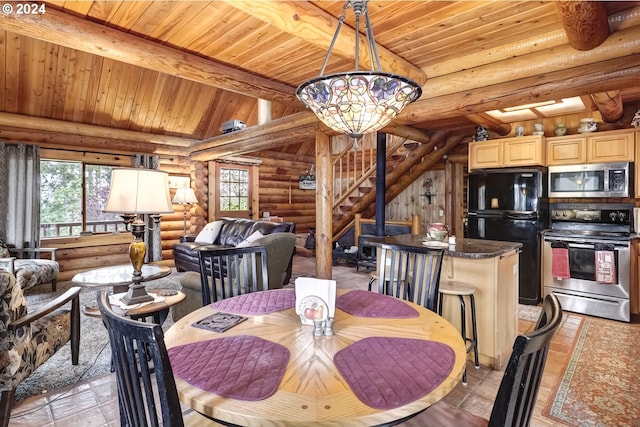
590 180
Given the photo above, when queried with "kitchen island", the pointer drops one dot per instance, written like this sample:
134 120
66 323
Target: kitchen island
492 267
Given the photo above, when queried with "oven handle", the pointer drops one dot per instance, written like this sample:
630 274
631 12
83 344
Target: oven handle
588 245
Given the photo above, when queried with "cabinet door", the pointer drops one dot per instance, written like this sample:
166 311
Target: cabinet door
566 150
524 151
485 154
613 146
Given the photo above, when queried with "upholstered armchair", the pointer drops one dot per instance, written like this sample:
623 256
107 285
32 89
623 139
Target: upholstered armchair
29 339
29 272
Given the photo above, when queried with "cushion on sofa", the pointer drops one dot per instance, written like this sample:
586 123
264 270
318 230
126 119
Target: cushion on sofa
209 233
249 240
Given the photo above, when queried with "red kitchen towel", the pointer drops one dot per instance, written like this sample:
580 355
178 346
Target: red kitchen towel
560 260
605 265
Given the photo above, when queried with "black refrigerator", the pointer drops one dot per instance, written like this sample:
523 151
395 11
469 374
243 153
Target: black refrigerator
511 205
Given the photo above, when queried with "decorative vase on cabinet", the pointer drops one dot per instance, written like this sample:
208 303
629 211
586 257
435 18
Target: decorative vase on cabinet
587 125
560 130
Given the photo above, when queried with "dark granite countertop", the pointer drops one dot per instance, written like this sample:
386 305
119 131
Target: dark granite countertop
464 248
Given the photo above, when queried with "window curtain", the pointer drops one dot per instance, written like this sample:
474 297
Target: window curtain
20 195
151 237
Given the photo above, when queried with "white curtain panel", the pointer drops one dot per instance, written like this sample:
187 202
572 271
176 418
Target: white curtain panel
20 195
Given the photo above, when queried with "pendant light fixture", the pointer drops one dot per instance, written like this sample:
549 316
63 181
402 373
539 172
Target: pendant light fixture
358 102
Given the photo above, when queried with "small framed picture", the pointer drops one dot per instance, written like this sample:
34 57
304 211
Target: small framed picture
179 181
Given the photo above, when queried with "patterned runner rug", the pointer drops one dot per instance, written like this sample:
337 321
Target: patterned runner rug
600 387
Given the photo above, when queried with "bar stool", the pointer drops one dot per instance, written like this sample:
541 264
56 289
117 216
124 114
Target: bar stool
463 290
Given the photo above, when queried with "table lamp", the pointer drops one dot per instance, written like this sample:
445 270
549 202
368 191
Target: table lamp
136 191
185 196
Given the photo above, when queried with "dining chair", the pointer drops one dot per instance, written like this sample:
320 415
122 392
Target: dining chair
516 397
412 274
144 376
227 272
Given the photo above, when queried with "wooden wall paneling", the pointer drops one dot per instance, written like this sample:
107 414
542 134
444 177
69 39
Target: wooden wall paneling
3 67
93 87
51 83
13 48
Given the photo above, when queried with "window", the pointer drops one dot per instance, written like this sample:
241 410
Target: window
72 196
233 194
234 189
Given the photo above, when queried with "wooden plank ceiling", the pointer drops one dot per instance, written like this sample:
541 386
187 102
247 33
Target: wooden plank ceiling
162 76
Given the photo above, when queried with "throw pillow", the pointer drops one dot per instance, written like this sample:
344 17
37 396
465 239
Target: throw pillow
249 240
210 232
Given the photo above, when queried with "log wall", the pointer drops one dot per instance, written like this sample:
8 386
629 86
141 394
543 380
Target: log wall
280 196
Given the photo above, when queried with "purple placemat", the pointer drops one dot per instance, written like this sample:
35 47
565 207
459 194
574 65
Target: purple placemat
370 304
242 367
386 373
262 302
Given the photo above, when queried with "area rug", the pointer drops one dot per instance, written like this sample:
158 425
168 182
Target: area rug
600 387
95 354
529 312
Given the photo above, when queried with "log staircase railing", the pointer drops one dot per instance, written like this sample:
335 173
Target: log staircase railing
355 164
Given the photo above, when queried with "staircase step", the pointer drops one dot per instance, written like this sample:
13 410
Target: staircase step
398 157
410 146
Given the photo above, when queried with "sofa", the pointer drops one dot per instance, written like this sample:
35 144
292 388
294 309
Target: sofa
278 238
233 232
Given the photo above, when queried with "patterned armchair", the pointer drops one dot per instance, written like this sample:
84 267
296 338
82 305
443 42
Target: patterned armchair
30 272
29 339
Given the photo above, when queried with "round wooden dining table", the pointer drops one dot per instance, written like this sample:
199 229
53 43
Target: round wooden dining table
312 391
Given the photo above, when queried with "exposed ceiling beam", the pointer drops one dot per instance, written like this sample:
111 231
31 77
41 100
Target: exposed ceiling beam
491 123
67 141
626 43
610 105
306 21
284 131
593 78
60 126
585 23
77 33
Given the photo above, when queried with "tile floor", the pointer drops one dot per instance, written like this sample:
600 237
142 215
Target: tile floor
94 403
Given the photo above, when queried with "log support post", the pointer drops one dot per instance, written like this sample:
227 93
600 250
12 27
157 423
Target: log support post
324 206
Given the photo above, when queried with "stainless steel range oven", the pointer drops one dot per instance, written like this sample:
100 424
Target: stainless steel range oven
592 275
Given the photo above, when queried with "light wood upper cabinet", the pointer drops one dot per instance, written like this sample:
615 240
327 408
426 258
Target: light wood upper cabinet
599 147
507 152
524 151
485 154
609 147
565 150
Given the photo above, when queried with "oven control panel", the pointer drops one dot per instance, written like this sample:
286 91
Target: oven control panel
607 216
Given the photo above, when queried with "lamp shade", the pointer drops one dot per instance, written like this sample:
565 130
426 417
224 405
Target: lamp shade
184 196
356 103
140 191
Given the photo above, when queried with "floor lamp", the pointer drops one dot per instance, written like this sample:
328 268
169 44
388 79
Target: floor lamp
133 192
185 196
